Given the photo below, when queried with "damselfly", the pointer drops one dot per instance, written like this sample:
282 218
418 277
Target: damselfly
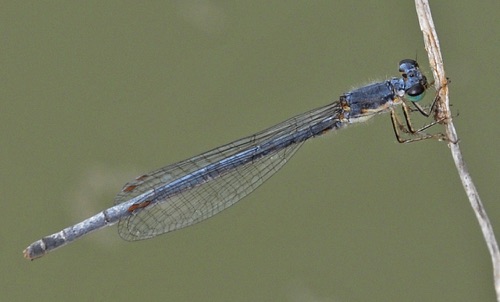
187 192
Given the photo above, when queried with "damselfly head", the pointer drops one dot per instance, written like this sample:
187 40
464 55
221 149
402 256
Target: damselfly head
414 81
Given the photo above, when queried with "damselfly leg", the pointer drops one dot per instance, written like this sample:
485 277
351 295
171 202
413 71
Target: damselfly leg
407 128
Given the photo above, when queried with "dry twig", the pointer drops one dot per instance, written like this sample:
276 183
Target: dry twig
443 114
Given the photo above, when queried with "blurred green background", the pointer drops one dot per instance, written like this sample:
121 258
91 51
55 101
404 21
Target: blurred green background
96 93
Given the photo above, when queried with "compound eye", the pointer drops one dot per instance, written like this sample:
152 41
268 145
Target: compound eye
416 92
408 61
407 64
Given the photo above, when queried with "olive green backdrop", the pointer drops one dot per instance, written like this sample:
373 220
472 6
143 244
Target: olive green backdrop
96 93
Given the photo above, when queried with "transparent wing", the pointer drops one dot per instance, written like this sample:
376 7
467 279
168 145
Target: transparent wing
209 198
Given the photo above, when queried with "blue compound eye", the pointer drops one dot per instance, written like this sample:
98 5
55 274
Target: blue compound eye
406 64
416 92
